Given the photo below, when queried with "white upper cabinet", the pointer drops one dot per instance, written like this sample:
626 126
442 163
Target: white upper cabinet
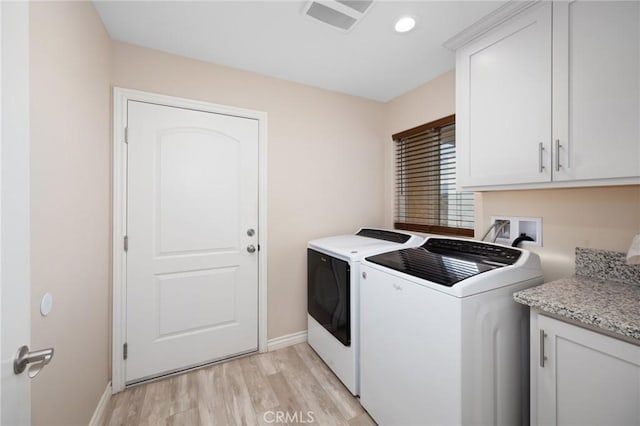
551 97
596 90
503 121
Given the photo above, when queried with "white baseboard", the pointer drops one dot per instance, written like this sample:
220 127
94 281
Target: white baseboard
286 340
98 415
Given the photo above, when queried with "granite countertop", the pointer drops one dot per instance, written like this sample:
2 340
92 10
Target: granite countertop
610 305
604 293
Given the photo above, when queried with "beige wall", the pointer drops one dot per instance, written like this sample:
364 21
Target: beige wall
325 154
70 199
604 217
431 101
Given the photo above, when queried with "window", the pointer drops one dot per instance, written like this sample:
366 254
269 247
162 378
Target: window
426 199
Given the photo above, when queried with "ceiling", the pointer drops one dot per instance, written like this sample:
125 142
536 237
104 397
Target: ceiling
275 38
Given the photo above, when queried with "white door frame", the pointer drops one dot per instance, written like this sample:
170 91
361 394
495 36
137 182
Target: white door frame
15 397
120 98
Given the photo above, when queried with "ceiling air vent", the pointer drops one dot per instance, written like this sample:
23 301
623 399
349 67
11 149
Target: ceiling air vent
340 14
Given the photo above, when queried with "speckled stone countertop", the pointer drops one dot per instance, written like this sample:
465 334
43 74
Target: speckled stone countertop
604 293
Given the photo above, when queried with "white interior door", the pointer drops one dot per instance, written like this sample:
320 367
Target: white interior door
14 232
192 271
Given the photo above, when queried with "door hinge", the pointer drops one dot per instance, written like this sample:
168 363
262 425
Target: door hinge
126 243
258 247
125 351
126 135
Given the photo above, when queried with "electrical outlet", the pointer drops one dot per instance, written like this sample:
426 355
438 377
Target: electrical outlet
516 226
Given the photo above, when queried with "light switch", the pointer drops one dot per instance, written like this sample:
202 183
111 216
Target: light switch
46 304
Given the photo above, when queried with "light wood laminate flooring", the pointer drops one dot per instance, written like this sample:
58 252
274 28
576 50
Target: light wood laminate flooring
287 386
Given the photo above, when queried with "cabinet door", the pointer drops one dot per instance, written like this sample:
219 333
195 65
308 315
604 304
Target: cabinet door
596 95
504 103
587 378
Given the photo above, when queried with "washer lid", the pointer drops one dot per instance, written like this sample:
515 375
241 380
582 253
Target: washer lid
447 261
365 242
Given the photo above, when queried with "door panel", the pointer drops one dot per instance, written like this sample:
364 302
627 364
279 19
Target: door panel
587 378
209 296
596 89
504 103
192 292
198 177
15 403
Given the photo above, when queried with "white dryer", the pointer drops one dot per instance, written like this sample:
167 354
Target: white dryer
442 340
333 278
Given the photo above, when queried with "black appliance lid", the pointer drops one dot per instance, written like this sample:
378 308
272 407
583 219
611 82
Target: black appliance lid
447 261
381 234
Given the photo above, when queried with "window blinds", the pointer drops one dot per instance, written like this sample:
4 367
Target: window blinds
426 198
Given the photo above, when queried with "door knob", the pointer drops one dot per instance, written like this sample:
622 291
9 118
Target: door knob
37 360
251 248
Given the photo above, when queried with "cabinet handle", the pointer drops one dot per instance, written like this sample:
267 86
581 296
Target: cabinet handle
558 146
543 358
540 149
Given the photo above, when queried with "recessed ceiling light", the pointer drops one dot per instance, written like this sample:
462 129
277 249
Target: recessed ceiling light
405 24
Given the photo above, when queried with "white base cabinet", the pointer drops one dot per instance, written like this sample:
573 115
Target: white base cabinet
581 377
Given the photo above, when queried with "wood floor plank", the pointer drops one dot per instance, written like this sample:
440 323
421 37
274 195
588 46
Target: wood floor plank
289 400
266 363
304 383
204 384
362 420
339 394
156 404
117 405
238 401
136 398
288 386
262 396
219 412
183 393
190 417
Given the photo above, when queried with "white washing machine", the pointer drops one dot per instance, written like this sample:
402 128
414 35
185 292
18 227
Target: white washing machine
333 295
442 340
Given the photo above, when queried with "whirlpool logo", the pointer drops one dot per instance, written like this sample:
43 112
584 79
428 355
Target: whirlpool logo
288 417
